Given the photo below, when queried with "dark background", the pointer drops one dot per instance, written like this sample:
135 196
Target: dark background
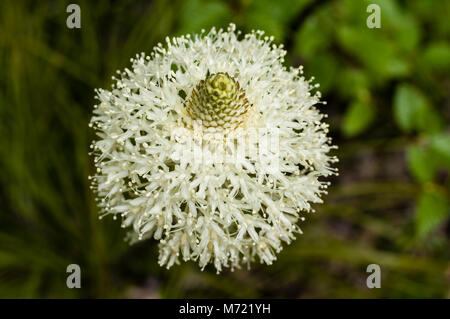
388 103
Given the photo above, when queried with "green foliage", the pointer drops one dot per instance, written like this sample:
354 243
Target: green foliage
357 118
432 210
271 16
436 57
409 106
440 144
387 94
421 163
202 14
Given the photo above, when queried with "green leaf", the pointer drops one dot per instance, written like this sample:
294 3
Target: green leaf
357 118
437 57
324 68
432 209
409 103
353 83
263 21
403 27
308 46
420 163
440 144
375 51
272 16
198 14
428 120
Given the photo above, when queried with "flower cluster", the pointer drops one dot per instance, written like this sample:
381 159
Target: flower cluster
212 147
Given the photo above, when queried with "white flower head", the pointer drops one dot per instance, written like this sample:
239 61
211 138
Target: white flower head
212 147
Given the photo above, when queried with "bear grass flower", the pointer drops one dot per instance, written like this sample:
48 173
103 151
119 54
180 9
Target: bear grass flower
211 147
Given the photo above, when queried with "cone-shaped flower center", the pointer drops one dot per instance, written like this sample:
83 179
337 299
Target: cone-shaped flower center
218 102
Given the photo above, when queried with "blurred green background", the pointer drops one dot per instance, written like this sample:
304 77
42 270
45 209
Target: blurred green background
388 103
